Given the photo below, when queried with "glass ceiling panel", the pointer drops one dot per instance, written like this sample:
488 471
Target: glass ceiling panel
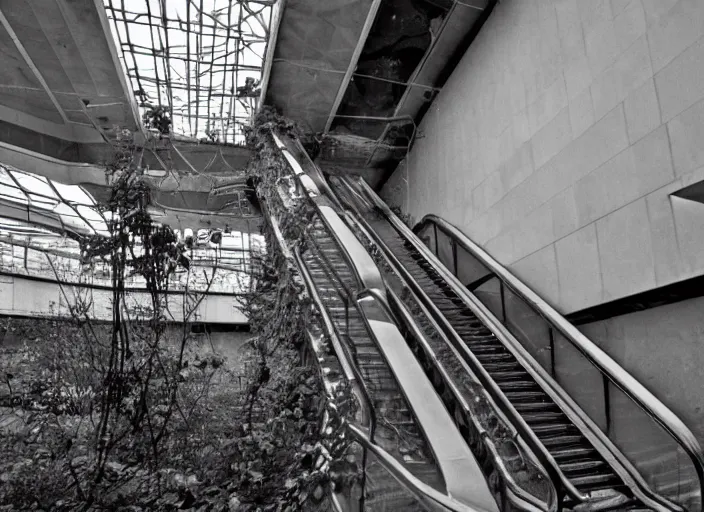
199 59
5 177
73 194
93 217
65 211
43 202
14 227
77 223
13 194
33 183
40 196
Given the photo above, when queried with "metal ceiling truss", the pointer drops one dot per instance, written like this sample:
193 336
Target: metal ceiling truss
201 60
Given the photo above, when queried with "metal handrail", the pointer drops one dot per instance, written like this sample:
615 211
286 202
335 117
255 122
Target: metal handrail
626 471
350 370
342 242
420 490
349 367
555 475
648 402
409 323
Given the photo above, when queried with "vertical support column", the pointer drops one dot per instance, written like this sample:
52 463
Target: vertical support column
435 231
454 257
607 405
552 352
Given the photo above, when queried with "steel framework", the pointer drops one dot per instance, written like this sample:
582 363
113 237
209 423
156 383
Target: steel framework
201 60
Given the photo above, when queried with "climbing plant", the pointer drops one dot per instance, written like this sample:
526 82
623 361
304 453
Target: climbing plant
281 312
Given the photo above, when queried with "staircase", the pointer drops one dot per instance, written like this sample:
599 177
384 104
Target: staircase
575 456
397 431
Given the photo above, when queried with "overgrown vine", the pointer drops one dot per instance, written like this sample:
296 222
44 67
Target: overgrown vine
280 312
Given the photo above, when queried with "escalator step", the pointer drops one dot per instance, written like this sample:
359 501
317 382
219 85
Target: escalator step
487 349
371 361
495 358
595 482
509 375
474 338
503 366
571 453
535 395
543 417
517 385
565 440
553 429
530 407
585 466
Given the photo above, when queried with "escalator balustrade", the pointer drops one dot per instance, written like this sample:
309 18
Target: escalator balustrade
581 463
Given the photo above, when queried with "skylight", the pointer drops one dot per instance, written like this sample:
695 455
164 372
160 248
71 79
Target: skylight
29 197
199 59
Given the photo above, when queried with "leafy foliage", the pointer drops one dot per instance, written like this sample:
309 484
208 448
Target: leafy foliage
158 118
140 415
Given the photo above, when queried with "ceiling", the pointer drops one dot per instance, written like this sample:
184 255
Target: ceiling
60 74
360 74
200 60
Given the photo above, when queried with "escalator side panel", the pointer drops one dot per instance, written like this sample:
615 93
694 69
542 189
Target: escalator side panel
583 465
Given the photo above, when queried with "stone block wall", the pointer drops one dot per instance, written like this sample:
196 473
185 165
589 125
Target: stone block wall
557 142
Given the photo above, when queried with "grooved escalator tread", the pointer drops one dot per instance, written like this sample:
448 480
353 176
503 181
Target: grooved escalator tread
579 461
397 430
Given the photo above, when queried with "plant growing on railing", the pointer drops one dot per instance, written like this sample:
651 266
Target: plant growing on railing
405 217
280 312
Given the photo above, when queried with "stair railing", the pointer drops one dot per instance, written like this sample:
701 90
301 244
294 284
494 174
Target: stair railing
429 497
522 311
365 275
667 464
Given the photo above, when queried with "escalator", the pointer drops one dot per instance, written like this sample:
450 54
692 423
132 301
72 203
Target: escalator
397 430
516 478
587 466
412 456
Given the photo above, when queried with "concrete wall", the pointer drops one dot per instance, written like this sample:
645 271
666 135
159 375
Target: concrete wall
662 348
558 139
25 297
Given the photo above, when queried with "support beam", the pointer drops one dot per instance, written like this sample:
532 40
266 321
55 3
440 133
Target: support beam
437 41
28 60
72 132
276 16
126 87
353 63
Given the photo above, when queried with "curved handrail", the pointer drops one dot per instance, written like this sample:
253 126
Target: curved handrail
648 402
417 334
624 468
523 430
419 489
